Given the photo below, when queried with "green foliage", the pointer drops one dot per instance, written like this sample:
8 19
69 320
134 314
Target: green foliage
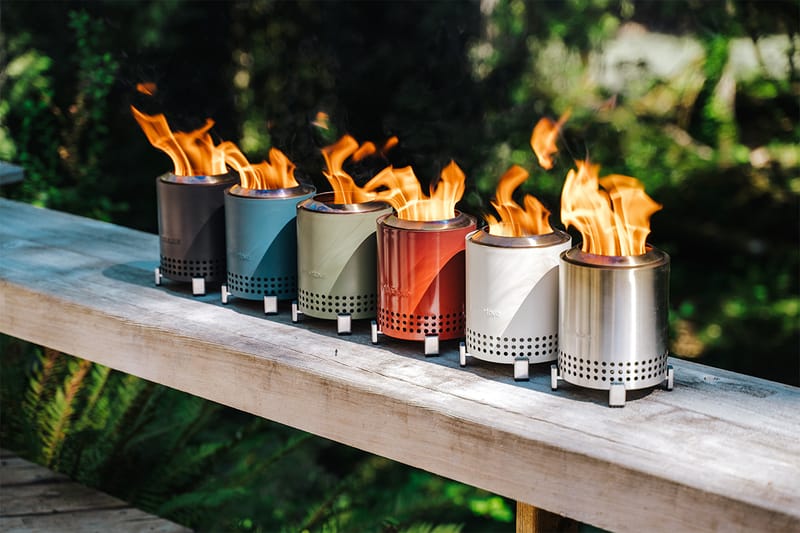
211 467
714 141
60 144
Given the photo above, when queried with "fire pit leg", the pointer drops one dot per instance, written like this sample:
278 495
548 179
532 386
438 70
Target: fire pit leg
462 354
343 324
374 331
669 383
198 286
296 313
431 345
157 273
521 369
616 394
270 305
224 294
554 377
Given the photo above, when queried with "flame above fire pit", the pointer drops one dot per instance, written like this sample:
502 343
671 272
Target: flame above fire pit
195 154
611 213
514 220
344 186
400 188
277 174
192 153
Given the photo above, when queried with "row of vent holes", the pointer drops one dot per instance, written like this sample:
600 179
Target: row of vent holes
654 370
425 317
611 363
393 323
412 320
419 326
515 354
173 261
190 270
337 309
233 275
342 304
190 266
242 285
551 345
514 339
611 378
370 297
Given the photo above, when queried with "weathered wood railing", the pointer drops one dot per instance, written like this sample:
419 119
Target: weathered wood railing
720 452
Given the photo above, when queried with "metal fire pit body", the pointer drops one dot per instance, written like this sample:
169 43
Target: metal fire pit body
512 298
421 278
336 259
613 321
262 243
191 227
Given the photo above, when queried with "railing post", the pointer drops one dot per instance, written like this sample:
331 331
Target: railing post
533 520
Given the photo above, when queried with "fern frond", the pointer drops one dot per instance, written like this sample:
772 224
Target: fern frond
424 527
59 426
43 381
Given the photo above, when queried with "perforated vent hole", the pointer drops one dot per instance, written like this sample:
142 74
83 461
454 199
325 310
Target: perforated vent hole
326 303
281 286
451 323
606 371
192 268
543 346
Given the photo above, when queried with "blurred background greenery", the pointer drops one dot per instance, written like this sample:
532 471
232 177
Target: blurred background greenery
698 99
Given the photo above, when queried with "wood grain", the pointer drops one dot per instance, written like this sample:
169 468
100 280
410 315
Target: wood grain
719 453
33 498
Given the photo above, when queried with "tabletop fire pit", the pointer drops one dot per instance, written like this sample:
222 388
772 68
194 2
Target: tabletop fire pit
191 229
512 273
336 260
336 244
191 220
613 290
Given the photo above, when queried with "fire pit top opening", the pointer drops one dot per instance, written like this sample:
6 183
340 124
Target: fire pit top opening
216 179
482 236
290 192
324 203
460 221
652 257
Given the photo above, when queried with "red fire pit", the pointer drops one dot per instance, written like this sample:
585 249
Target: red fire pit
421 279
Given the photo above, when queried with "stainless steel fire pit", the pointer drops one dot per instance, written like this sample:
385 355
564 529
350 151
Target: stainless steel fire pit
613 329
191 227
512 298
336 260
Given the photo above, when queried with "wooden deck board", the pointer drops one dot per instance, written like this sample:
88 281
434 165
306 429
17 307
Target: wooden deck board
33 498
720 452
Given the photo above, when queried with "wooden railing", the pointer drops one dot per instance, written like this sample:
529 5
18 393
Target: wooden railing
721 452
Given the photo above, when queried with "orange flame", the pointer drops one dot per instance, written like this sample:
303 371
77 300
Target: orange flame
148 87
344 187
192 153
514 221
543 139
400 188
612 213
277 174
